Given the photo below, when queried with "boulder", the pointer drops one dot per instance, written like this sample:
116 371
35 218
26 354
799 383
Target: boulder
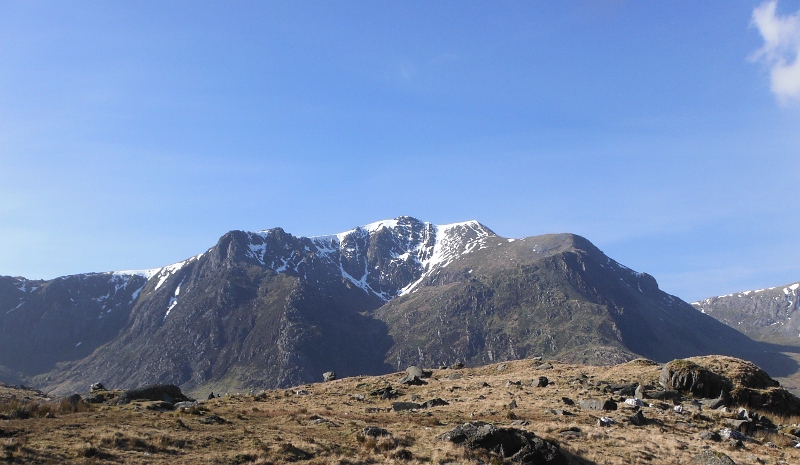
729 380
597 404
97 387
416 371
542 382
401 406
517 445
328 376
686 376
411 380
437 402
164 392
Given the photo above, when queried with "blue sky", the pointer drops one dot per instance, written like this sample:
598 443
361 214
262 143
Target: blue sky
134 134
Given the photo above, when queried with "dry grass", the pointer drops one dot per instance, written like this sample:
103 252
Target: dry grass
281 427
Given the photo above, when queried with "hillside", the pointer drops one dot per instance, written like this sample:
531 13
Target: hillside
379 420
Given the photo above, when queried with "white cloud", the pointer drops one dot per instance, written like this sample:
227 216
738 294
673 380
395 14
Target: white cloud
781 49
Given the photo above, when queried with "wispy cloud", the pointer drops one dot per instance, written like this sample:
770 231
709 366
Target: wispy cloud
781 49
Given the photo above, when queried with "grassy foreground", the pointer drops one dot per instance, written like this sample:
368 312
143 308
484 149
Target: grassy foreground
323 423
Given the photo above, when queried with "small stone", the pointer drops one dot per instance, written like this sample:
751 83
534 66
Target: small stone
512 404
437 402
709 457
543 381
401 406
638 419
711 436
605 421
328 376
374 432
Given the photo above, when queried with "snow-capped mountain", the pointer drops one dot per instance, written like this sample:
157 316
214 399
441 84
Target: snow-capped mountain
269 309
771 314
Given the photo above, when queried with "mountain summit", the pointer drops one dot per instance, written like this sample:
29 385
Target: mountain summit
268 309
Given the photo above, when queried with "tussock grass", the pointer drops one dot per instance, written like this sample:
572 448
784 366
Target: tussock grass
22 409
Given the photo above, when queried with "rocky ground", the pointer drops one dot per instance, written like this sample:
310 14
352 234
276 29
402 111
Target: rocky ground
526 411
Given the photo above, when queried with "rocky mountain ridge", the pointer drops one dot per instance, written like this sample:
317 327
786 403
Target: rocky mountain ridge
269 309
771 314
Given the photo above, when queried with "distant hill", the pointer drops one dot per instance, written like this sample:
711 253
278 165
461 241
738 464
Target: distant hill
268 309
771 315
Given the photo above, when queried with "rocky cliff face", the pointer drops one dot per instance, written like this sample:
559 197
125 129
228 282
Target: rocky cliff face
771 315
269 309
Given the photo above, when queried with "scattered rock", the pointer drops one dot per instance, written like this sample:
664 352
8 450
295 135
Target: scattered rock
457 366
722 400
97 387
543 381
437 402
711 436
664 395
622 389
513 383
410 380
728 433
544 366
742 426
93 398
213 419
302 392
517 445
710 457
567 401
634 402
571 433
501 367
328 376
186 404
638 419
605 421
400 406
597 404
163 392
374 432
418 372
160 406
455 376
385 393
74 400
512 404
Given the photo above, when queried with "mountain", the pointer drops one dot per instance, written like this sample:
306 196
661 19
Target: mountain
771 315
269 309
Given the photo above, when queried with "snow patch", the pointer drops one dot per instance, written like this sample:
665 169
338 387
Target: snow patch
173 301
